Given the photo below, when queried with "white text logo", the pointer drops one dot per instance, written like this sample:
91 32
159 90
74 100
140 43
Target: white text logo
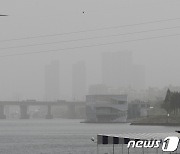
169 144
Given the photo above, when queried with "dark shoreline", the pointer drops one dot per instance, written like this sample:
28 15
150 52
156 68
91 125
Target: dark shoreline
105 122
135 123
156 124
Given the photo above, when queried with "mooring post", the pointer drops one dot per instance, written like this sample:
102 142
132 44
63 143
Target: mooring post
97 149
113 148
122 148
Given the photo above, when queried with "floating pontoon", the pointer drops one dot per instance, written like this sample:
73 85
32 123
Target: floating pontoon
117 144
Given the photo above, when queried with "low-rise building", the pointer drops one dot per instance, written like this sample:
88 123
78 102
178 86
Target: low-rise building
106 108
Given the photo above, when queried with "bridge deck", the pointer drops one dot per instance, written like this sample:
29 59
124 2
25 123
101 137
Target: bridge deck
37 103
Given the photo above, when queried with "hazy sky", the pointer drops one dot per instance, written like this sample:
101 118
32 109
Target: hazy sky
23 76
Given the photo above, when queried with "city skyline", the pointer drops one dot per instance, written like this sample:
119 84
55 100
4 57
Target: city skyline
41 36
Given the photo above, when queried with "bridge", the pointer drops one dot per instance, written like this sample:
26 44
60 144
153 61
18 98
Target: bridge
24 105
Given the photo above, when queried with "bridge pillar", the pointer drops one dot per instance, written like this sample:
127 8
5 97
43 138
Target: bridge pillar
2 115
71 111
49 114
23 111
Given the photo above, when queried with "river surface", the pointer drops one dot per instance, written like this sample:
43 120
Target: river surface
59 136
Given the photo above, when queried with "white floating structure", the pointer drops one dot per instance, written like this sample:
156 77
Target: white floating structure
112 144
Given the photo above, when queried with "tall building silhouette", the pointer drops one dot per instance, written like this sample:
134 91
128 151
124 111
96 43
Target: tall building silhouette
118 71
79 81
52 89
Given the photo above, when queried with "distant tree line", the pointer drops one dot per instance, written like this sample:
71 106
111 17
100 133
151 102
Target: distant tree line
172 102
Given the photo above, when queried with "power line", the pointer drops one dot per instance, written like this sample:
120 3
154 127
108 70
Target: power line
89 38
87 46
91 30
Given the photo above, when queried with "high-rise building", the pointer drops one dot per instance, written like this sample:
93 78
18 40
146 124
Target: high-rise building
79 81
52 89
120 72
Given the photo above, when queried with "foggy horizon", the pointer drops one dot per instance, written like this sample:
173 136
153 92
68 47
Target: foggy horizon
22 76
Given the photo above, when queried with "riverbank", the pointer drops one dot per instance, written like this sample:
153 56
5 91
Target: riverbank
158 121
156 124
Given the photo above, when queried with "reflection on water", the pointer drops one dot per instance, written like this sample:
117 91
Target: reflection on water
60 136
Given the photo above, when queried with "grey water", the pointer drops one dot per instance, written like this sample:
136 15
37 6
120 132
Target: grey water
60 136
